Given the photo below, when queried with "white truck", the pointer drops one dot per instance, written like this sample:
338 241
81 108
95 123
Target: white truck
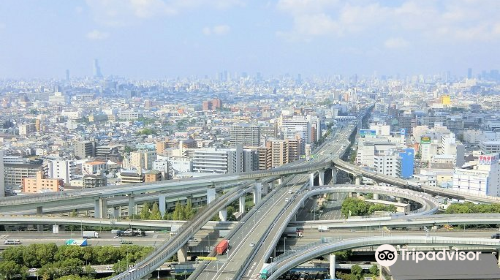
90 234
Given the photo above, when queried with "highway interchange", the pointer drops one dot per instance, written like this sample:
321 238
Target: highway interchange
252 243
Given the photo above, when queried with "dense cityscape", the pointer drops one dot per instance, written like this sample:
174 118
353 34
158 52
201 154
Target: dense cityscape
234 139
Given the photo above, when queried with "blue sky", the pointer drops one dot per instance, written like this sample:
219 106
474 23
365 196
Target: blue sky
170 38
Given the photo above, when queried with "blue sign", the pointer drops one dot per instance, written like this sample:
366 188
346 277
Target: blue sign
403 131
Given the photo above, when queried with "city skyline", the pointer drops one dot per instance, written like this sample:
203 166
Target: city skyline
156 38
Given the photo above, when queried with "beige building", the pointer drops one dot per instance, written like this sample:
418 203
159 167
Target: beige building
40 184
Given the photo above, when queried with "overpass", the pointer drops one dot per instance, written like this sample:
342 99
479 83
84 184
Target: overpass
358 171
429 205
292 258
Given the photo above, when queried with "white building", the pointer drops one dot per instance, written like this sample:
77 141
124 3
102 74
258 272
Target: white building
61 169
387 163
381 130
490 147
94 167
224 160
2 183
484 178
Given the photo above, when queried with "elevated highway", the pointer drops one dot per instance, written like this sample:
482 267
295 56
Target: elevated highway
289 260
356 170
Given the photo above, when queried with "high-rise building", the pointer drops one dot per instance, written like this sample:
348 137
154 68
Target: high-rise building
84 149
61 169
97 69
279 152
244 134
469 73
2 183
142 159
67 75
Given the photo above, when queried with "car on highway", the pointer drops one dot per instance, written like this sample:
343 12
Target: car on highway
252 244
495 236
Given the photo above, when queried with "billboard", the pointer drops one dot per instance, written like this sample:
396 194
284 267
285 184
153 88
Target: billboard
425 140
367 133
488 159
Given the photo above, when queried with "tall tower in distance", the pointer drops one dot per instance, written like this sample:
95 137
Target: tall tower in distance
97 69
67 74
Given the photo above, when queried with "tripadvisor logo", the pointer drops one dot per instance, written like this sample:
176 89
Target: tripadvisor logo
387 255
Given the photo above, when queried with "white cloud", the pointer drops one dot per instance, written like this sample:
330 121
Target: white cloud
396 43
97 35
458 20
218 30
127 12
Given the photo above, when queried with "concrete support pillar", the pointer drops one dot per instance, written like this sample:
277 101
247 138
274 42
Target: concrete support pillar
162 204
334 176
39 210
311 181
55 228
332 266
117 212
101 208
241 203
223 215
265 189
131 205
182 254
321 176
257 193
375 196
210 195
97 208
357 180
280 181
350 194
399 199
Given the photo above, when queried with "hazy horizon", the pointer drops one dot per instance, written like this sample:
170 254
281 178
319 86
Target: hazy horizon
160 38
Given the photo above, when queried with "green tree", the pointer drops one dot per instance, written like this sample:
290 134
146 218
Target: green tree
188 210
145 211
178 212
230 213
357 271
155 212
9 269
374 270
14 254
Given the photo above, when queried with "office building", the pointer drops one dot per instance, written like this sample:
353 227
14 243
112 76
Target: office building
407 159
61 169
481 179
85 149
97 69
2 177
40 184
489 147
143 159
244 134
14 173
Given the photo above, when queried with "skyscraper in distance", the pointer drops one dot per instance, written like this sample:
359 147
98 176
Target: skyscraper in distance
97 69
67 74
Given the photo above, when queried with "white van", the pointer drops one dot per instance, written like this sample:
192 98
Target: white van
12 242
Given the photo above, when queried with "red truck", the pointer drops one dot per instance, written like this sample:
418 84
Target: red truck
222 247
